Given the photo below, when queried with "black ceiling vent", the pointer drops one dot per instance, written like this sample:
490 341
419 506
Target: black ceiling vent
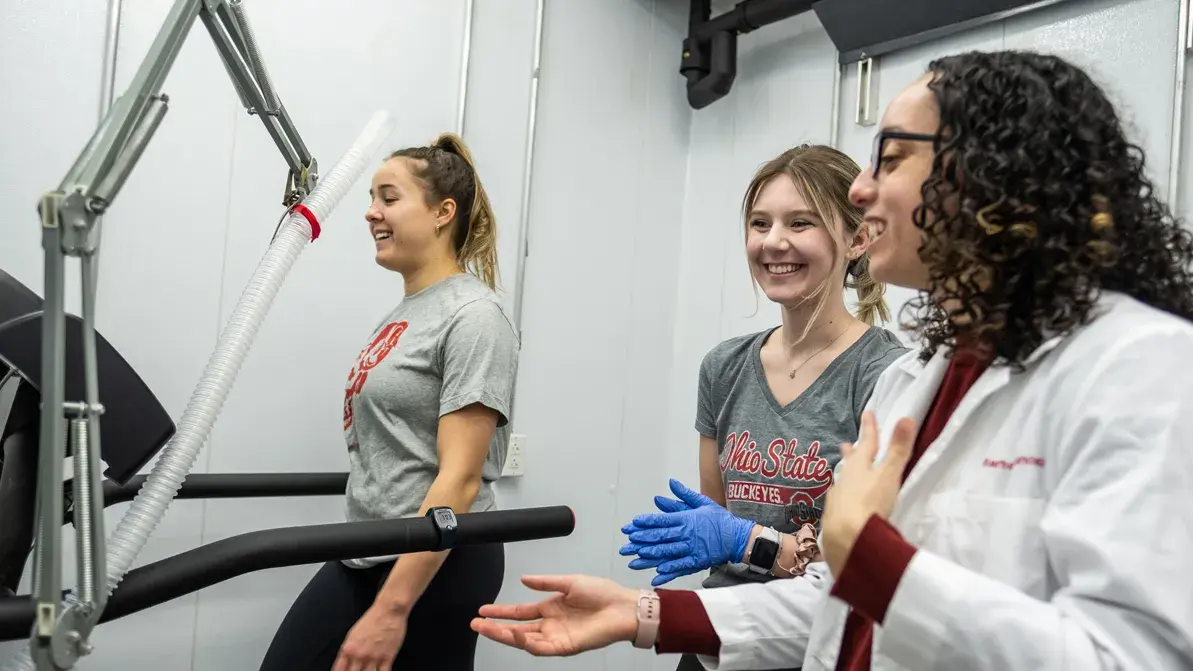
860 29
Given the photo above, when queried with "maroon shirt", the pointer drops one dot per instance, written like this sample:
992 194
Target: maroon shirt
872 573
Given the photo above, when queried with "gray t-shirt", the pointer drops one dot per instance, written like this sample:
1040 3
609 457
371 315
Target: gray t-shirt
777 461
443 348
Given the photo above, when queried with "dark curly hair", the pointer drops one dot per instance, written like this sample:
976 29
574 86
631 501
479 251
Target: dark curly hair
1036 203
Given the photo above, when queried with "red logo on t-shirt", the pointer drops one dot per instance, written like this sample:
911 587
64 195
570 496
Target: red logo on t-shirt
369 357
781 461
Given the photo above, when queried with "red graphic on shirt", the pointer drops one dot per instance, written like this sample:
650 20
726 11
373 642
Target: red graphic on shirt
781 460
369 357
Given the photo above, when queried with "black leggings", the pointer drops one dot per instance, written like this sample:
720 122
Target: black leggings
438 635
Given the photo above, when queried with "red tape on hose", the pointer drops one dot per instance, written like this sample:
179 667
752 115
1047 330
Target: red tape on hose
310 217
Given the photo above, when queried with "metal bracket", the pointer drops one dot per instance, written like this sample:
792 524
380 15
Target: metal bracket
70 217
834 127
297 189
867 93
1179 98
1188 28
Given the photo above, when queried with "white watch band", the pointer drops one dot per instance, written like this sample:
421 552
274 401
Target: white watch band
648 619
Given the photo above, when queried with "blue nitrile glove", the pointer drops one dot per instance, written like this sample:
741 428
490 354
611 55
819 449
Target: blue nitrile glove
688 499
666 505
685 540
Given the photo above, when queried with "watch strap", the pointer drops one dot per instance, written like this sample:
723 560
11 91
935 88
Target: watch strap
648 619
445 523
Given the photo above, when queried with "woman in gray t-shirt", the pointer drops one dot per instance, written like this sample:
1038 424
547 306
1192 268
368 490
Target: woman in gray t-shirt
426 424
774 407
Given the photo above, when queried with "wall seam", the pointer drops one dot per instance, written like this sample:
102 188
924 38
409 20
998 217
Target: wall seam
627 357
733 147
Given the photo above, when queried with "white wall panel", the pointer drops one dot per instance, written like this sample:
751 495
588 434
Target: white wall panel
659 167
497 113
1126 47
607 191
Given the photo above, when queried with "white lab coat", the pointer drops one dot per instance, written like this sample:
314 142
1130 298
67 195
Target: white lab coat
1052 516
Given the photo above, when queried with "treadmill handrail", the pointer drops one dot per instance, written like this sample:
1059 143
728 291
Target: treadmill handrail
222 560
237 485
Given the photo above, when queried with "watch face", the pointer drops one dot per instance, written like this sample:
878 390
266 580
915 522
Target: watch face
445 516
763 554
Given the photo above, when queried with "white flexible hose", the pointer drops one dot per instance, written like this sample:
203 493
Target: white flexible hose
178 457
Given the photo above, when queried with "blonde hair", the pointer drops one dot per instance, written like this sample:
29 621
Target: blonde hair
824 175
446 170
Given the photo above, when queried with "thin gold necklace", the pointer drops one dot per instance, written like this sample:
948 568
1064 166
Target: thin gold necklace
830 344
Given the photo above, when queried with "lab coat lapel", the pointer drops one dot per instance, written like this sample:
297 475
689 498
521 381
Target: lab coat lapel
912 398
924 478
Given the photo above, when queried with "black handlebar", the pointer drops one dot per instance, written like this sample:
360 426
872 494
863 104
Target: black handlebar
238 485
222 560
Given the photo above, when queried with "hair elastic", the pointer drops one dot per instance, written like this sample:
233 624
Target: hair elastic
805 551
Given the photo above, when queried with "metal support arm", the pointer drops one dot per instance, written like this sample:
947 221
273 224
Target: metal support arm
69 222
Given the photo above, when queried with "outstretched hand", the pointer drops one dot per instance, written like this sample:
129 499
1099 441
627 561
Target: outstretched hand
586 613
692 534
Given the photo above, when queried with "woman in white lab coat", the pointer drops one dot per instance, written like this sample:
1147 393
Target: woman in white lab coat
1021 494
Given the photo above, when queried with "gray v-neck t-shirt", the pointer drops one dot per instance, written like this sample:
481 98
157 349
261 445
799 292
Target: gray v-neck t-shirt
777 461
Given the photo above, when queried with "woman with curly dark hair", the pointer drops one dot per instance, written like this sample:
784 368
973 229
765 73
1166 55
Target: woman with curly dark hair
1028 500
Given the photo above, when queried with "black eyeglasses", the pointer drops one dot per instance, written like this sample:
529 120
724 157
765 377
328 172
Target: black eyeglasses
883 136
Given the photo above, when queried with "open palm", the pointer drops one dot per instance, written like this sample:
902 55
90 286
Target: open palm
586 613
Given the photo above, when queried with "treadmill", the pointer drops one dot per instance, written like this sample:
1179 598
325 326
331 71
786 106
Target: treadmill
135 427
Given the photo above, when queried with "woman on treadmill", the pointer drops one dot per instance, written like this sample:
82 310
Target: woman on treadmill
426 425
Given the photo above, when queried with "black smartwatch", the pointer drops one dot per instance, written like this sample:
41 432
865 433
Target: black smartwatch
445 522
761 557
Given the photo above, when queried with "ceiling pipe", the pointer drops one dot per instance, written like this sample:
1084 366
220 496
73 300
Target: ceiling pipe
710 49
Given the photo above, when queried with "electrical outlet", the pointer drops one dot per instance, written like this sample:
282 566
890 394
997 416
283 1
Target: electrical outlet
515 457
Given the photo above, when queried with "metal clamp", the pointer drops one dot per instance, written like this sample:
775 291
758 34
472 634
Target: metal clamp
299 186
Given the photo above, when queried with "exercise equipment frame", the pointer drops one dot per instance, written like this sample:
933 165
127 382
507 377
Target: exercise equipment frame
70 228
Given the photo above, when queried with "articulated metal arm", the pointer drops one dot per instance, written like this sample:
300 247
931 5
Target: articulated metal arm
69 222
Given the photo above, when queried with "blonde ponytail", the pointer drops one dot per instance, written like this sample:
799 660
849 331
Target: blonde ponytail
447 171
476 243
871 306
